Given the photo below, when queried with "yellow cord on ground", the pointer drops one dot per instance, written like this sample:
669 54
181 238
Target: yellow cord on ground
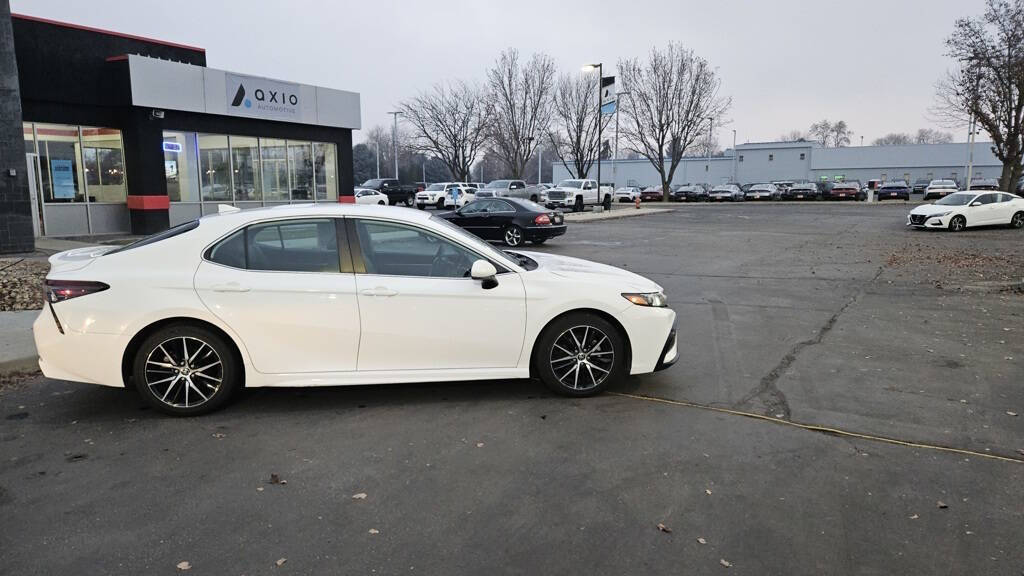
816 428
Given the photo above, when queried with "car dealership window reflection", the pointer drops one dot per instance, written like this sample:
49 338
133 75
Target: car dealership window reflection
221 168
78 163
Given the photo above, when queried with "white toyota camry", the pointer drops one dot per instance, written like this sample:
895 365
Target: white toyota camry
960 210
306 295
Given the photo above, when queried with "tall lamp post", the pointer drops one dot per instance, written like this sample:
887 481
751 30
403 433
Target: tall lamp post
615 154
734 156
600 79
711 134
394 140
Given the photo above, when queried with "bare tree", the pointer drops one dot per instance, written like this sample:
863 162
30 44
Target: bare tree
668 103
988 84
794 136
894 139
821 132
449 123
705 146
930 136
575 125
840 135
519 101
381 140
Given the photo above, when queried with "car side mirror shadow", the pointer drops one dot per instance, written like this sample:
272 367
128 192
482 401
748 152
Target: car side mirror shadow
485 272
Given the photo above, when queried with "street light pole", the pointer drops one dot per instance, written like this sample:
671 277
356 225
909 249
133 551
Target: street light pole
600 80
734 156
376 148
394 140
711 134
970 157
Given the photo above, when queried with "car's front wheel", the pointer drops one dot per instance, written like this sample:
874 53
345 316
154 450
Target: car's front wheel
380 203
185 370
1018 220
409 201
580 354
513 235
958 224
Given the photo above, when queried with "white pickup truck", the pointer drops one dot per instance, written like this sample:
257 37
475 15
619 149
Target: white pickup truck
576 194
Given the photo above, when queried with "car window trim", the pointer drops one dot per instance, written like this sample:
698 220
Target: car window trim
343 249
359 264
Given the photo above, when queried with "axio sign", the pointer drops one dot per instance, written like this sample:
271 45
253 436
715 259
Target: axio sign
262 98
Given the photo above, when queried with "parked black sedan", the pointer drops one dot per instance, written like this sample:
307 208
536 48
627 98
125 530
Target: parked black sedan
509 220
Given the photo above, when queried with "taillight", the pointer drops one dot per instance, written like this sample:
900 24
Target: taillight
542 220
61 290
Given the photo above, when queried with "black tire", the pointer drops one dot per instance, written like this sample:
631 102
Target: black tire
552 363
533 197
440 204
607 202
381 203
163 349
538 241
409 201
512 236
1017 220
421 206
577 206
958 224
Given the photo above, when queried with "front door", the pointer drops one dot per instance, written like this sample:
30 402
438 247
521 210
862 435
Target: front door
420 310
286 289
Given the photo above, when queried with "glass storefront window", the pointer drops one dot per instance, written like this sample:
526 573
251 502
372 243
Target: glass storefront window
103 161
300 165
180 166
214 168
275 170
245 166
60 163
325 170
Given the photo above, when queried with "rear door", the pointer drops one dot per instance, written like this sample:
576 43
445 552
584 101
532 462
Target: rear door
287 289
498 215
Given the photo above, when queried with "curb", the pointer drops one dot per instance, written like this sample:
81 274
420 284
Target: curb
22 365
994 287
598 216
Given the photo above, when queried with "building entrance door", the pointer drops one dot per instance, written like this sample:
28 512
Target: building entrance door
32 160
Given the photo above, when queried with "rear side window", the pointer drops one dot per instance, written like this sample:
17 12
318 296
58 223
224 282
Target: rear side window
283 246
169 233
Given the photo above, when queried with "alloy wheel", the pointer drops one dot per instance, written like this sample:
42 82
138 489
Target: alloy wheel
1018 220
957 224
582 357
184 372
513 236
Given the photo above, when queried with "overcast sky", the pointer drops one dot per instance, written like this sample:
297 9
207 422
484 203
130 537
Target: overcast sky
786 63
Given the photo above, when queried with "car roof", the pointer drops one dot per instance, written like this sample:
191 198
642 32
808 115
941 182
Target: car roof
234 218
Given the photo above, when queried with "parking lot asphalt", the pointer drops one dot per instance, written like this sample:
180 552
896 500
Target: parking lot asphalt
810 314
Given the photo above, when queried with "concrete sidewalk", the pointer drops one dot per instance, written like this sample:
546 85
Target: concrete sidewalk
612 214
17 348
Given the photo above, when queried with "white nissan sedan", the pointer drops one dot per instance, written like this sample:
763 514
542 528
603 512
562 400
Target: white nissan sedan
327 295
960 210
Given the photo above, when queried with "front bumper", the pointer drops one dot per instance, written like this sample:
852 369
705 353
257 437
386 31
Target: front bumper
929 221
669 354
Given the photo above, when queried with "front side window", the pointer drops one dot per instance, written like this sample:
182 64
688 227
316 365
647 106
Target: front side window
986 198
391 249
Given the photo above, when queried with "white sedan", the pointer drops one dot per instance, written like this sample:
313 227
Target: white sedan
960 210
627 194
339 294
367 196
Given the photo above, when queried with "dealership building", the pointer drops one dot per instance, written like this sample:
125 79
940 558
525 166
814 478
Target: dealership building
808 161
125 134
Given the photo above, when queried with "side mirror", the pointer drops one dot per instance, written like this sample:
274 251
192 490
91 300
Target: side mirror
975 204
485 272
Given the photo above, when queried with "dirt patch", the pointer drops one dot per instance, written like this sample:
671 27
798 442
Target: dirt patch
21 283
954 267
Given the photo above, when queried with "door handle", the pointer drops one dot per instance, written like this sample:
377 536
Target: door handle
229 287
379 291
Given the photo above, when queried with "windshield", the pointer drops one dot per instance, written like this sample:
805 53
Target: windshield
956 200
372 183
498 184
435 187
472 241
571 184
724 189
943 183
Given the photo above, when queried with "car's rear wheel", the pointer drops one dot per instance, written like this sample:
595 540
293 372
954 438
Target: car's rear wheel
409 201
958 224
580 354
440 204
380 203
513 235
578 205
185 370
1017 221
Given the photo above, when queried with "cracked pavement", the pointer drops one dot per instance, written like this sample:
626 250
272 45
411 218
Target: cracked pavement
783 309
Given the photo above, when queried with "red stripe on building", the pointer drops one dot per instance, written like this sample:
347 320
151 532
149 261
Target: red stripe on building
149 202
347 199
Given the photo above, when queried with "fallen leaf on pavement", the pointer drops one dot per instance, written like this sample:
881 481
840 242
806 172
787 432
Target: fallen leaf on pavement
707 491
184 566
281 561
725 562
374 531
360 496
479 444
219 435
275 479
702 541
1008 413
942 504
259 488
664 528
914 517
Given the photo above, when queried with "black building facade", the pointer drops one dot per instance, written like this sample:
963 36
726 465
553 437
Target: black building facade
128 134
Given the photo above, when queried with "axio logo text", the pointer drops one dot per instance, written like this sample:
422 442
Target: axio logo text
261 95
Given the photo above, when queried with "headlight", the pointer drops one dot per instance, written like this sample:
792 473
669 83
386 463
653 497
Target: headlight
940 214
653 299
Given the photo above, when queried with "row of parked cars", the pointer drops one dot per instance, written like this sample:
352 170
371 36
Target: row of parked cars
800 190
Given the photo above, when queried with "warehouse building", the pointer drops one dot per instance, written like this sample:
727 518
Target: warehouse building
796 161
132 135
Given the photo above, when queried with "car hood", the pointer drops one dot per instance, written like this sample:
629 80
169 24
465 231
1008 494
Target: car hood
930 209
585 271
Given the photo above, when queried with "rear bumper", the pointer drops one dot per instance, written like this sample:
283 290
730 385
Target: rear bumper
544 232
76 356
